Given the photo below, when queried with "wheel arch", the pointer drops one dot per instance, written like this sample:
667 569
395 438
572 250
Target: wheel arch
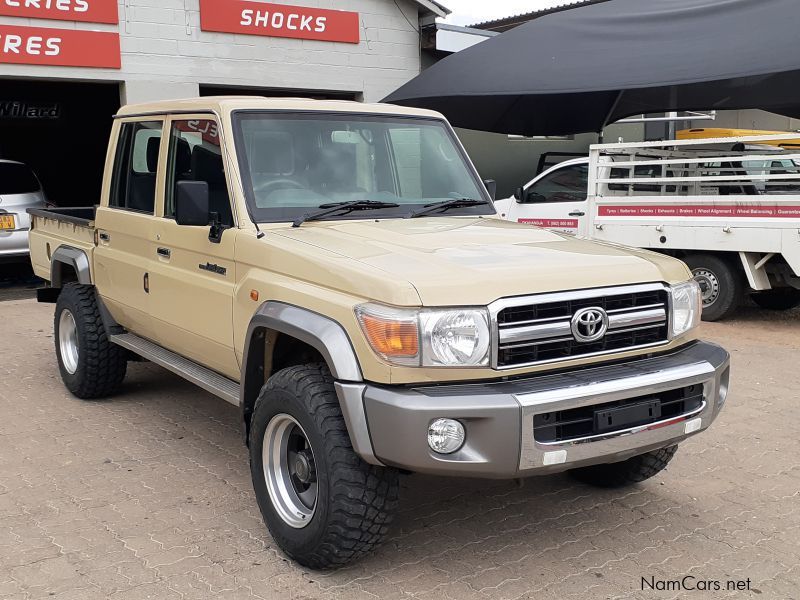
282 335
69 264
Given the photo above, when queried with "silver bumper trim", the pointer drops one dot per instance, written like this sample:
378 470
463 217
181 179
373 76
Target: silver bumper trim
499 416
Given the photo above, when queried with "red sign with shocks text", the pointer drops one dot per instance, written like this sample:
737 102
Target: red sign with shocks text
279 20
59 47
87 11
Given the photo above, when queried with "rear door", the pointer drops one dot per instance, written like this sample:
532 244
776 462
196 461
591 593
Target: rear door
556 199
125 222
193 277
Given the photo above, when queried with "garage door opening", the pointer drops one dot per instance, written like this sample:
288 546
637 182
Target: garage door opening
221 90
61 131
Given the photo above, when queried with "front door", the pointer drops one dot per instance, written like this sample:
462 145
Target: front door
192 278
556 199
124 225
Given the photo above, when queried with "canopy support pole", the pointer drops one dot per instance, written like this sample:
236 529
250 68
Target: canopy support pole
608 116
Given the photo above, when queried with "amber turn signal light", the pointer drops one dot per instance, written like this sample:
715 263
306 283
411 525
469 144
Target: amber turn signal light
391 338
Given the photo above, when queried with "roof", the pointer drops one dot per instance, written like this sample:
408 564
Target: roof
227 104
431 5
512 21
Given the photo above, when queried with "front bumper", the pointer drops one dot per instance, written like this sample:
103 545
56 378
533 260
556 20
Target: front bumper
388 425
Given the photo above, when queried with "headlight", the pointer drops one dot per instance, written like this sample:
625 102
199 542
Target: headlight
427 337
687 307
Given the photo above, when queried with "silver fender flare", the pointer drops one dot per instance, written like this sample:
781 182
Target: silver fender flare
331 340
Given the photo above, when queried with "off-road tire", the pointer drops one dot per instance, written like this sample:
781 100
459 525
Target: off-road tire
731 285
101 365
628 472
355 501
778 299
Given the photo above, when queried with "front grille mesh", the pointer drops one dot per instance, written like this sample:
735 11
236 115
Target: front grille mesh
562 345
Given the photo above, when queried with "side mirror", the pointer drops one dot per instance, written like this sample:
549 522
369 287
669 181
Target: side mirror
192 203
519 194
491 187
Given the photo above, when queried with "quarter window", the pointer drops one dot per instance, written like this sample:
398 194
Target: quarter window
133 185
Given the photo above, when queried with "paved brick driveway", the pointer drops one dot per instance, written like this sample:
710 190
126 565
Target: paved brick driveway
148 495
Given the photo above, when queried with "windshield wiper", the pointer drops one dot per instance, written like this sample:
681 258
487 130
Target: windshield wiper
335 207
445 205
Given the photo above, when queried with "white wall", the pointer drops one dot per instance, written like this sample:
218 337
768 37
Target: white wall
513 162
751 119
165 55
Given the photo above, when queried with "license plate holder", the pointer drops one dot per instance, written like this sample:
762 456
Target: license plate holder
622 417
7 222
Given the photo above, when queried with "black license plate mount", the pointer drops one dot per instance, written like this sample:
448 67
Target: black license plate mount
621 417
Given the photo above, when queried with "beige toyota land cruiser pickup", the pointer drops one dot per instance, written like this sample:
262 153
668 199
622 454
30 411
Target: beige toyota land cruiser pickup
337 271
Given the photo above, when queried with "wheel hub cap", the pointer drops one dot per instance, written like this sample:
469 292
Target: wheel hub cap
709 285
289 471
304 467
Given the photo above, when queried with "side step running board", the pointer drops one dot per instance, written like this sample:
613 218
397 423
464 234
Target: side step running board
207 379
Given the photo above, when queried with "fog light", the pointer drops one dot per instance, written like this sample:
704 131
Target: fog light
445 436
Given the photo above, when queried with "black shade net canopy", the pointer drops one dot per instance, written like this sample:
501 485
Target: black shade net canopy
580 69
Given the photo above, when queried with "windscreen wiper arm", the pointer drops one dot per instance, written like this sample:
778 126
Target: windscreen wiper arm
445 205
346 207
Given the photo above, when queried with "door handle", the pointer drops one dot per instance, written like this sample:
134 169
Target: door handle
104 236
146 283
165 252
577 213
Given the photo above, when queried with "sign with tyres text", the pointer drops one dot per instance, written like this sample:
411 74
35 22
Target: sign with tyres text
279 20
59 47
88 11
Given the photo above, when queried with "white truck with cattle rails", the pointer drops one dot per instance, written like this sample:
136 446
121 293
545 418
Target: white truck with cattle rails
728 207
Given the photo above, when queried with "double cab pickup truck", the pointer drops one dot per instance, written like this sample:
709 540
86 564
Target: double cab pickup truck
338 272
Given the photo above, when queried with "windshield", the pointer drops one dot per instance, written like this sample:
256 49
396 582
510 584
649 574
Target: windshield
295 162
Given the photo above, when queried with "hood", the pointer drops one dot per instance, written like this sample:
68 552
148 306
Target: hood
474 261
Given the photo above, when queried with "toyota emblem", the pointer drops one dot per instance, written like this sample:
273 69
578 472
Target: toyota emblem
589 324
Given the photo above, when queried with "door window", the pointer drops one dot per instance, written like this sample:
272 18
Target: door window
133 186
195 154
569 184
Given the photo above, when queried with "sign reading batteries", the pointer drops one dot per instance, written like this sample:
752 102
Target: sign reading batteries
87 11
279 20
60 47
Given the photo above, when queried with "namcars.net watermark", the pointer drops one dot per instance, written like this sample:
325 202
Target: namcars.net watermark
690 583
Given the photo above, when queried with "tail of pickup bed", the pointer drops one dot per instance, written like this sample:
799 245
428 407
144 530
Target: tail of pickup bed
61 243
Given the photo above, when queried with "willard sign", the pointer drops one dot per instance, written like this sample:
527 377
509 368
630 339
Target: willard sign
279 20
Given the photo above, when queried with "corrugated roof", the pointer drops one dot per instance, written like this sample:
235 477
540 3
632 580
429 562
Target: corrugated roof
435 7
514 20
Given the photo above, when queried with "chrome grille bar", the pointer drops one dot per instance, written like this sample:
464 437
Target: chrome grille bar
538 329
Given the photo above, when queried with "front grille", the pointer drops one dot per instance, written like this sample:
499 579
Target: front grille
575 423
537 329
